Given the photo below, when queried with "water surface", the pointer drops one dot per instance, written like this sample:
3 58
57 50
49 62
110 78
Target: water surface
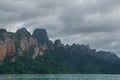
60 77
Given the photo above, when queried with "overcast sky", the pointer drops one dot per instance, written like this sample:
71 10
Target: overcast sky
94 22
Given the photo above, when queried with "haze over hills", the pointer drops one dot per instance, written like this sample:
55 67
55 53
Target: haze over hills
22 52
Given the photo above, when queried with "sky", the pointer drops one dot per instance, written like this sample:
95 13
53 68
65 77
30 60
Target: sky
93 22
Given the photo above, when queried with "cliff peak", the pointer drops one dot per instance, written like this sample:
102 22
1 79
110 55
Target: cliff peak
22 32
41 35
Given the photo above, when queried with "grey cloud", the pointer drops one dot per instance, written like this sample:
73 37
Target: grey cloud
82 20
94 22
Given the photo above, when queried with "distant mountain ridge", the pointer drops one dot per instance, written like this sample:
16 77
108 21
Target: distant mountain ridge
22 52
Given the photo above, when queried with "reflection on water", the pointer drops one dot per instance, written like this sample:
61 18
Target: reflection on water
60 77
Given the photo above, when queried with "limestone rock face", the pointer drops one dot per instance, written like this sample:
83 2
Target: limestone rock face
13 44
2 50
36 52
24 44
32 42
43 47
7 46
39 50
10 48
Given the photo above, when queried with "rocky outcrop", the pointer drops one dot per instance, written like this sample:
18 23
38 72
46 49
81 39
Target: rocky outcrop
7 46
32 42
2 50
50 45
39 50
10 48
21 33
43 47
24 44
21 41
36 52
58 43
2 31
11 43
41 35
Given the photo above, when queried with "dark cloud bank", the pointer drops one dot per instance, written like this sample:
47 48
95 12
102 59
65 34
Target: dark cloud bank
94 22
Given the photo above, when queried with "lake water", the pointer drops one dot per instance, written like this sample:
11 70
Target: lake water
60 77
